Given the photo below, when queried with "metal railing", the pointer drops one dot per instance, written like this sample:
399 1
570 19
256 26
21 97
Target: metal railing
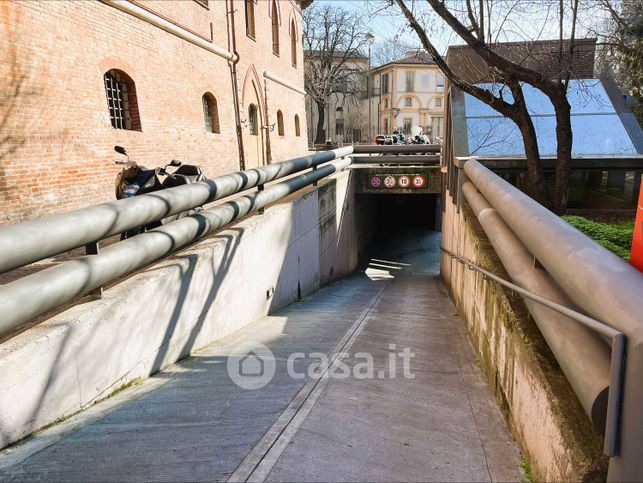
28 297
585 300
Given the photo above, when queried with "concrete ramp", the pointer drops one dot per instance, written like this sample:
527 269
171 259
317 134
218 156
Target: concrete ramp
343 403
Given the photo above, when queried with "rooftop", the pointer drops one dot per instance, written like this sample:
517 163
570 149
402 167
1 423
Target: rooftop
413 57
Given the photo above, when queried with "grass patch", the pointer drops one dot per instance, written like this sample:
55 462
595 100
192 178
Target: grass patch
134 382
616 237
527 474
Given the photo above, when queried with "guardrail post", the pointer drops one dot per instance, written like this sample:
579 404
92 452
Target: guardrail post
93 249
260 210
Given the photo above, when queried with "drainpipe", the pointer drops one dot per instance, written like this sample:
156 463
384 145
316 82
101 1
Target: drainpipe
232 44
266 127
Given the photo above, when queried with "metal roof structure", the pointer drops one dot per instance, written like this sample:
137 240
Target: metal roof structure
602 126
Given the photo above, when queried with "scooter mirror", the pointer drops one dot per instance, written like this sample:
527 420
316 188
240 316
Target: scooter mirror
175 163
120 150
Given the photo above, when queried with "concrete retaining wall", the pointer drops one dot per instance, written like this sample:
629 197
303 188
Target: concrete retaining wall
545 417
161 314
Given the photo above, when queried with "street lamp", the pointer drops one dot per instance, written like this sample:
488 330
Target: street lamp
369 38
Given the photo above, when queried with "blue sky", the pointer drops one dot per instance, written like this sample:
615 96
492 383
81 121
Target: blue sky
528 20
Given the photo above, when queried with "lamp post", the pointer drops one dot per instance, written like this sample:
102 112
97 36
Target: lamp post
369 38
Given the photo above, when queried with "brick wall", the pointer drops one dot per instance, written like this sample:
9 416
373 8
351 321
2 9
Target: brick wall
56 139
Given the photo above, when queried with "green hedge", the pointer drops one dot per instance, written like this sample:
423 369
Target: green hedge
615 237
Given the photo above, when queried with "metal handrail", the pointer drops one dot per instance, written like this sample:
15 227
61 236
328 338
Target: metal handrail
28 297
595 280
30 241
618 342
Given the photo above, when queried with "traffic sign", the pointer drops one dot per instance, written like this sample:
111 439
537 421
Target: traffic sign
418 181
389 181
404 181
376 181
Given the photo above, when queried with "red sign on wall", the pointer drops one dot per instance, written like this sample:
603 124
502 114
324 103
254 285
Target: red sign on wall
636 256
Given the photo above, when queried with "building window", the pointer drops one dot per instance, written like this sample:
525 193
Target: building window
275 29
410 82
293 44
386 125
250 18
385 103
440 82
252 120
339 127
408 102
339 121
407 125
280 123
121 100
438 102
384 82
436 127
297 128
210 113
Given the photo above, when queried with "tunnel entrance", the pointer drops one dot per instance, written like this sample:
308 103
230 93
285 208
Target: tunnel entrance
405 234
396 213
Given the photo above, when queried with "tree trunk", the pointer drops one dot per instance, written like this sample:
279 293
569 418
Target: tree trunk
564 139
537 185
319 134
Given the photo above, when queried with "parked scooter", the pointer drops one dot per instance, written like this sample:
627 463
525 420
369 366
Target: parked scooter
134 180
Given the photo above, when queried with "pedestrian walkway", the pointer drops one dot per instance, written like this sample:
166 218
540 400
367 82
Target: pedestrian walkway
435 420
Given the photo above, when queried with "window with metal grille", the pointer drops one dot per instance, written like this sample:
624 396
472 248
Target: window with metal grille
121 100
250 18
280 123
297 128
252 120
210 113
275 29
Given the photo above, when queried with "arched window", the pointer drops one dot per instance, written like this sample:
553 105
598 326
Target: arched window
121 100
408 102
210 113
297 128
250 18
280 123
293 43
275 28
252 120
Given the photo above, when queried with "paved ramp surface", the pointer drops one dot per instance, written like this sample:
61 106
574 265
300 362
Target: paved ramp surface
435 420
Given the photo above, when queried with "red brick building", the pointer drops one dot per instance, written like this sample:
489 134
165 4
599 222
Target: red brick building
166 79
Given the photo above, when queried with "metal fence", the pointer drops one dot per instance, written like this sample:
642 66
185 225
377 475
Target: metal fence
33 295
585 300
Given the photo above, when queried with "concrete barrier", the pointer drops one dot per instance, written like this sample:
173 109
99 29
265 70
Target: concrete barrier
547 420
165 312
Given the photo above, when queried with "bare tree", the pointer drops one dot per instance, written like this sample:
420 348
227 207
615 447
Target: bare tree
472 23
386 50
333 37
621 53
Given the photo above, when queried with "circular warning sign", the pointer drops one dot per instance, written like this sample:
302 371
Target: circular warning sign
376 181
389 181
418 181
404 181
